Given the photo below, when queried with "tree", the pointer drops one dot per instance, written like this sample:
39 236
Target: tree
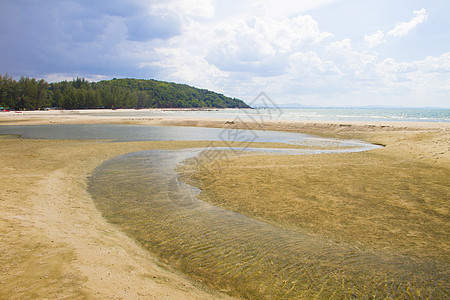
80 93
8 92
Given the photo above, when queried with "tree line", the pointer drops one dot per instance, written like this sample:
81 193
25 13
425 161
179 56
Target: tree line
32 94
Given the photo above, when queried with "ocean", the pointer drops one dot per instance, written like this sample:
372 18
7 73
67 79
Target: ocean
301 114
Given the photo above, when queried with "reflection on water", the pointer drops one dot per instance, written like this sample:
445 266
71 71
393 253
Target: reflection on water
141 193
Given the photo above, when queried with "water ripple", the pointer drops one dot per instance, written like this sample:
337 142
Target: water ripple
251 258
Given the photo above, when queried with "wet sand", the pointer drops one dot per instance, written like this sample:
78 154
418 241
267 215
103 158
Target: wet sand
55 243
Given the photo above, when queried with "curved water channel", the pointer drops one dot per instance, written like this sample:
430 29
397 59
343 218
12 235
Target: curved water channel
142 193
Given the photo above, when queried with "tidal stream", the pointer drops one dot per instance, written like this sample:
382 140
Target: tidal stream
143 194
231 252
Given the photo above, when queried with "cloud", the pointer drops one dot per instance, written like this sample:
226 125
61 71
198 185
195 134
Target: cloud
354 64
423 79
196 8
374 39
183 8
400 29
283 8
403 28
152 26
262 46
94 37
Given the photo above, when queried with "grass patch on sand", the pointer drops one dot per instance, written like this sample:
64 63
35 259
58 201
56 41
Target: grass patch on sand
381 200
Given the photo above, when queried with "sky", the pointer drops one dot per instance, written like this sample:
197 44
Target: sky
309 52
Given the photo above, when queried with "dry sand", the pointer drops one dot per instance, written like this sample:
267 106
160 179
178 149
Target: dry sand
55 244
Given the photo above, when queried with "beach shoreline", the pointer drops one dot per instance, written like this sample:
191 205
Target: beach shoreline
56 243
99 116
386 133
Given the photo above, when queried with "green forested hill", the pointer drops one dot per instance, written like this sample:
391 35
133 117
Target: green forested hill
117 93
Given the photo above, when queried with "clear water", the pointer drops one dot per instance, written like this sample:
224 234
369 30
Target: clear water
124 133
148 133
141 192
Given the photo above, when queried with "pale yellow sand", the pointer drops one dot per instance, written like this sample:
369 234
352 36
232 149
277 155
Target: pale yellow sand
54 243
394 199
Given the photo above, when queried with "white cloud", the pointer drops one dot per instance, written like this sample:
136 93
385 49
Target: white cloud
426 81
295 62
262 46
182 66
310 64
374 39
400 29
283 8
197 8
403 28
355 64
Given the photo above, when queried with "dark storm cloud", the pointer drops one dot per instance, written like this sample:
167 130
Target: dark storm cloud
40 37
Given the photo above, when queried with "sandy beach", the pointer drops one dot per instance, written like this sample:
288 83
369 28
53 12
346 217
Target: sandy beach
55 243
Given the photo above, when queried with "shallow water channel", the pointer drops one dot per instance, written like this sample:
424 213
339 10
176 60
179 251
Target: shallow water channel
142 193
